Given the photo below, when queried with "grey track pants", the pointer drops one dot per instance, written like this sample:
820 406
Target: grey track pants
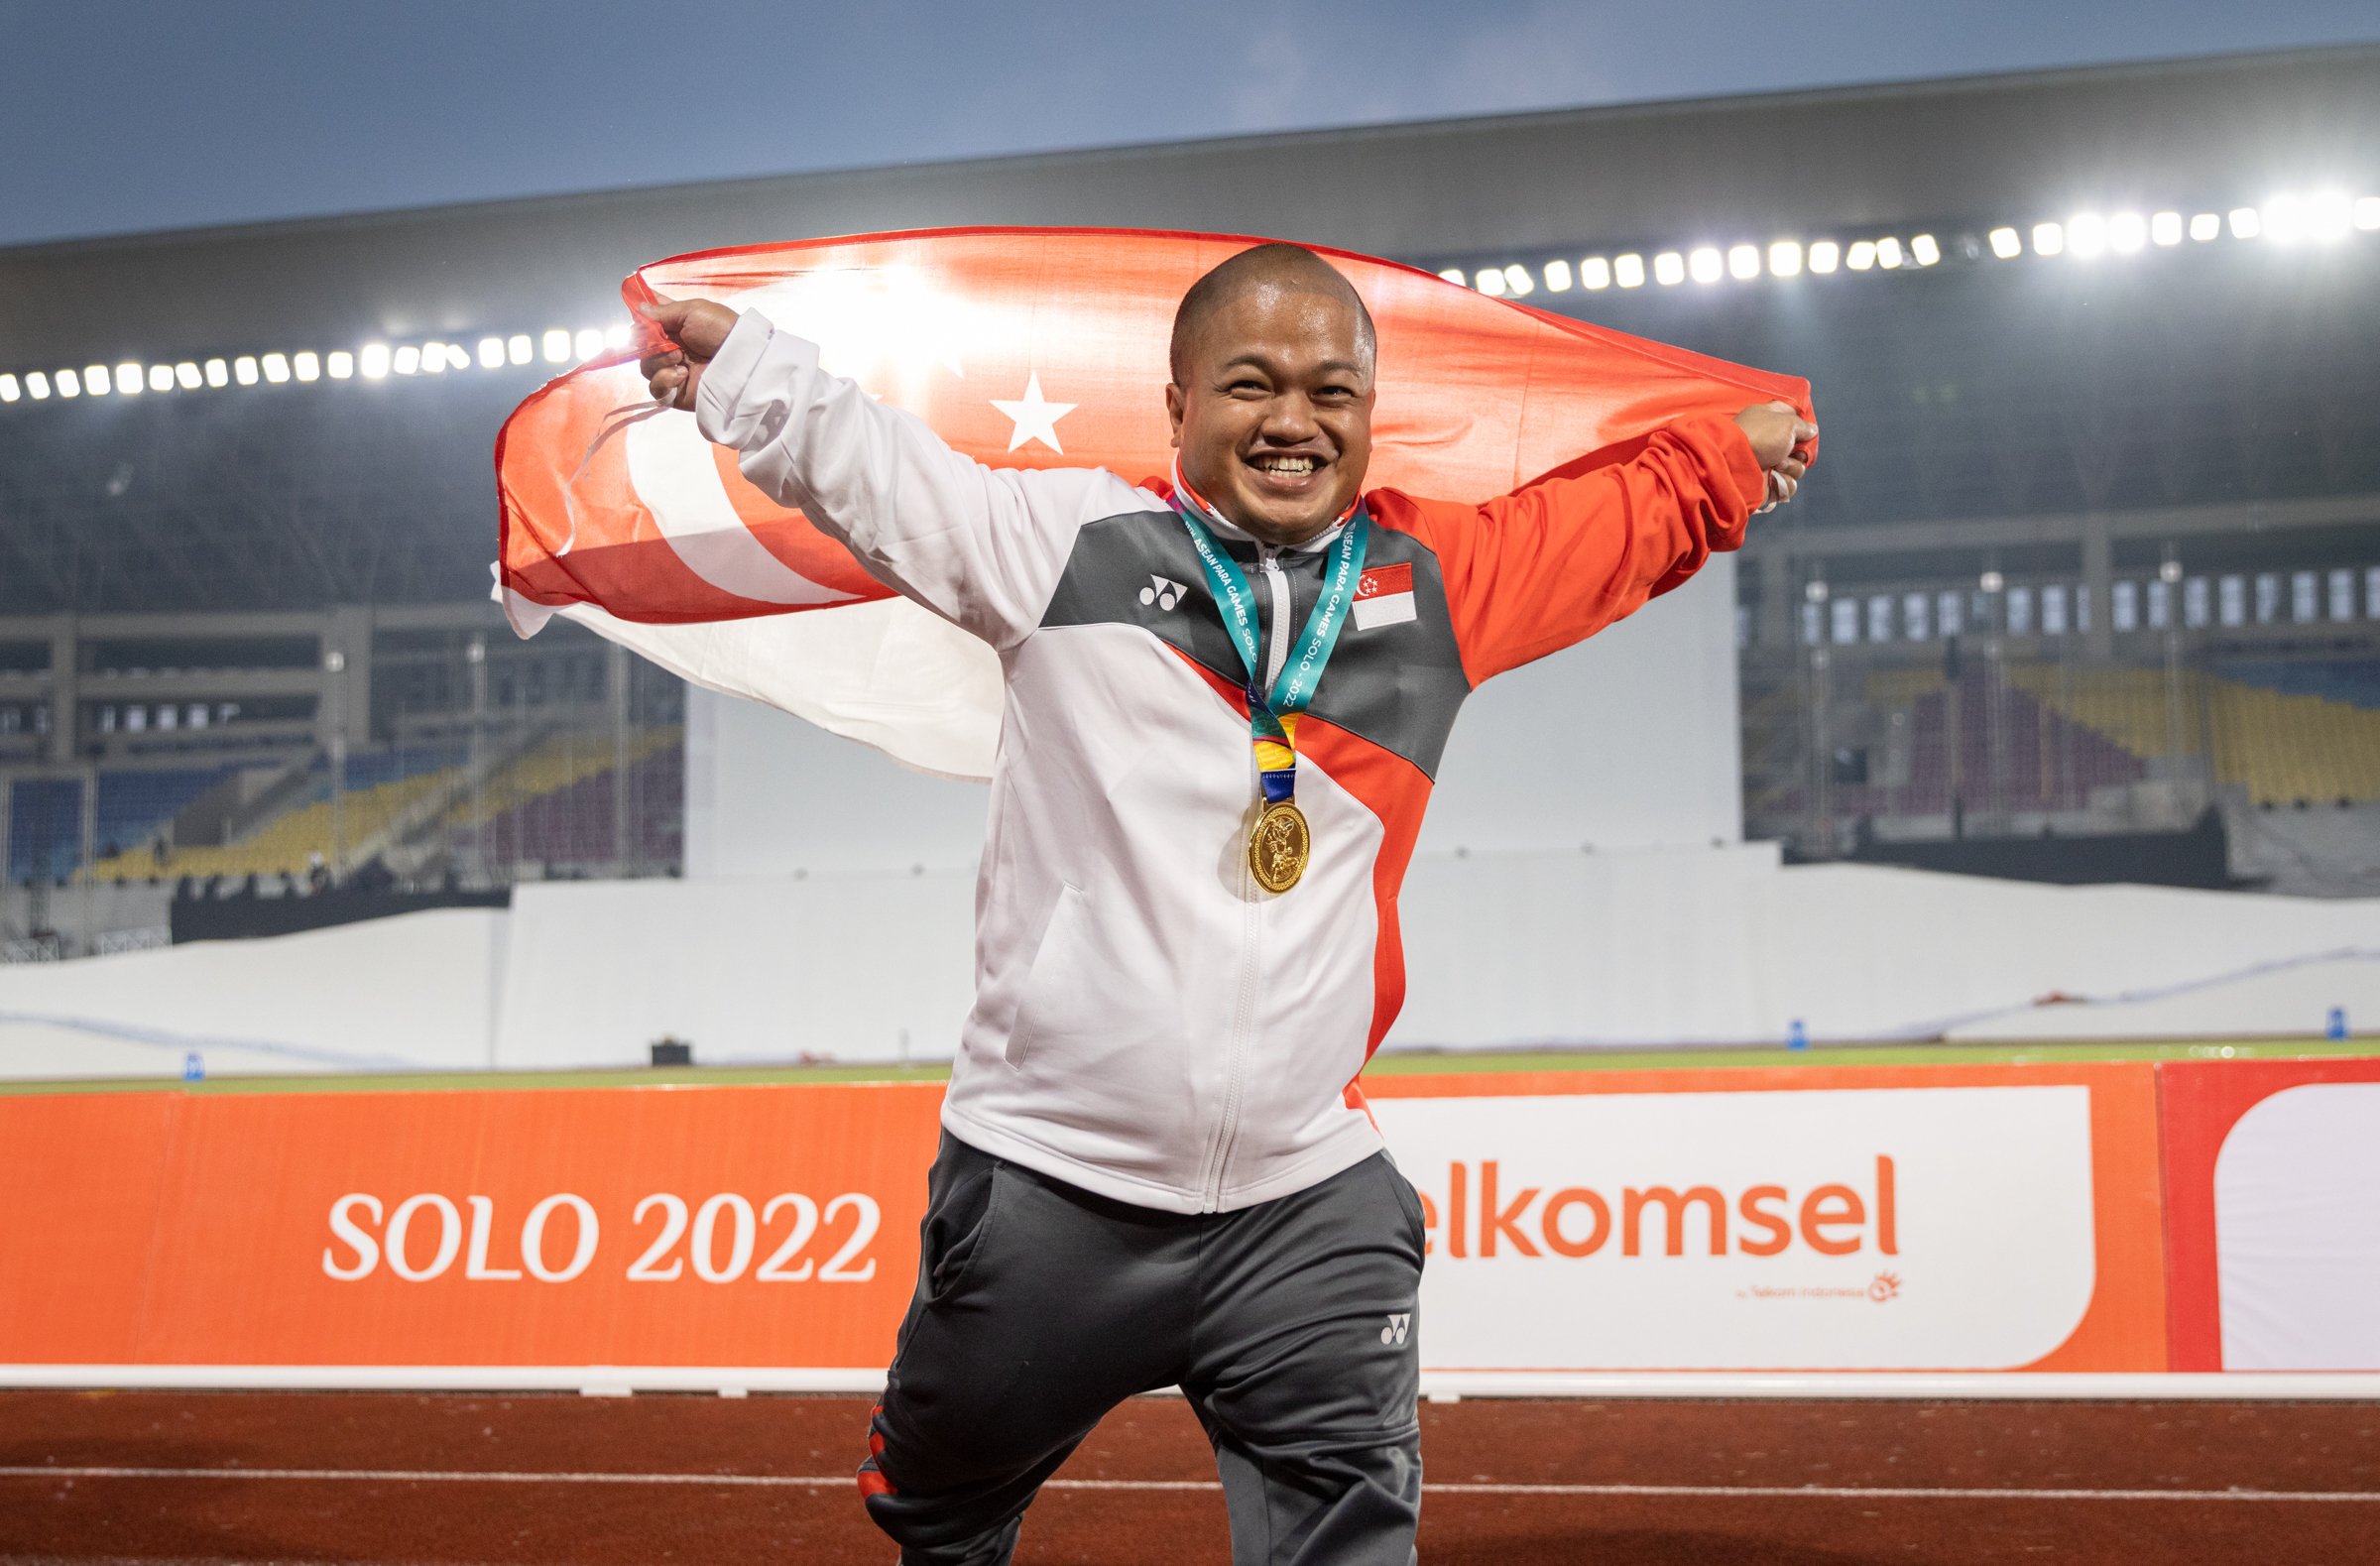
1040 1306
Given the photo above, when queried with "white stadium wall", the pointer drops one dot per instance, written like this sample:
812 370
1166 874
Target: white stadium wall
1608 948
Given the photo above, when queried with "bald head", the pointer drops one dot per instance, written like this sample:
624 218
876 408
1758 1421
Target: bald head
1282 269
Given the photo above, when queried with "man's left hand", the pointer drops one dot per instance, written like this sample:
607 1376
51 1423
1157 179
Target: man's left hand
1778 436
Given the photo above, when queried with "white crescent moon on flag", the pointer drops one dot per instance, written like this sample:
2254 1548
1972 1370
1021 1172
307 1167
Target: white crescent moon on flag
676 476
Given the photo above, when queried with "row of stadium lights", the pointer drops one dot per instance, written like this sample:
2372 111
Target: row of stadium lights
375 361
2286 220
2090 234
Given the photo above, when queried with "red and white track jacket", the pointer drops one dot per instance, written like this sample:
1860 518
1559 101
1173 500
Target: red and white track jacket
1150 1023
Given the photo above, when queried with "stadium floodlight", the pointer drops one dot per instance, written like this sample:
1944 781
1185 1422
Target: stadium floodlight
1489 281
433 358
161 378
70 384
517 348
1595 272
8 391
185 376
490 353
2048 239
1706 265
2086 234
1863 255
2164 228
1629 270
1557 277
1888 252
129 382
218 373
1669 269
615 337
1743 261
2126 232
1456 275
2329 214
340 364
277 368
2006 244
373 361
1825 256
2246 222
405 360
2204 226
243 369
309 365
557 346
2365 213
1785 257
2283 220
590 341
1923 248
37 383
96 380
1517 279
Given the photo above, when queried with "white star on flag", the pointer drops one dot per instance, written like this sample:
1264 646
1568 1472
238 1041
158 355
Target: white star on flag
1037 420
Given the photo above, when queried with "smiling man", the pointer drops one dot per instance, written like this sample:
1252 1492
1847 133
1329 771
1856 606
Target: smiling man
1226 697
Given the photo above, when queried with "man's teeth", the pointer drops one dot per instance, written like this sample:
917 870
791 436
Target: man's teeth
1293 467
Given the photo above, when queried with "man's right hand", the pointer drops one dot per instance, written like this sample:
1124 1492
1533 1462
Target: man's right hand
696 329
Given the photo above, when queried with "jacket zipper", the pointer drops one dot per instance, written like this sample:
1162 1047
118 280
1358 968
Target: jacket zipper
1244 1010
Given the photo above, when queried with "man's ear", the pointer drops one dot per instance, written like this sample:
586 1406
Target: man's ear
1174 405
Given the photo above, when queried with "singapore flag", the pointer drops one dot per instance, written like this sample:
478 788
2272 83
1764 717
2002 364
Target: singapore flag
1384 596
617 512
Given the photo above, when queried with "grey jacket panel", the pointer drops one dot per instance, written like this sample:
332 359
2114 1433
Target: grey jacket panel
1397 685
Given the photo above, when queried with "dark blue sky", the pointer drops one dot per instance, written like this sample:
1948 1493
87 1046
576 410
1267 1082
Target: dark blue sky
118 117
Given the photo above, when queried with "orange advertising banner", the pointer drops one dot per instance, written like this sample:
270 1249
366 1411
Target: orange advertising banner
1941 1218
748 1224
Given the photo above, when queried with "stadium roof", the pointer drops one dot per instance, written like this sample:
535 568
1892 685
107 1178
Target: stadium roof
2209 132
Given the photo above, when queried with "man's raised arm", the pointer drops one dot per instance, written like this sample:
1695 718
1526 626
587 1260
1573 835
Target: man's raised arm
1555 561
983 547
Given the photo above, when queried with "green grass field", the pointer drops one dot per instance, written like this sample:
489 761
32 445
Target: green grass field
1393 1064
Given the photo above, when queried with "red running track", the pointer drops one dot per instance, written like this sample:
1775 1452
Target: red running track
474 1481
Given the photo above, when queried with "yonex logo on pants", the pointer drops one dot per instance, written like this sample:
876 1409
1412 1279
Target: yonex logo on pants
1396 1329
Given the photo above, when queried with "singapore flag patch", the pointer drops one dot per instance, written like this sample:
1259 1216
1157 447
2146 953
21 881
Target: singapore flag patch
1384 596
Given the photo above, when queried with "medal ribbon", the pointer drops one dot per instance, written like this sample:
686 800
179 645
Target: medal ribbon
1272 720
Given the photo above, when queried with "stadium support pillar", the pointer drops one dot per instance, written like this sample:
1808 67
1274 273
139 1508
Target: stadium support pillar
350 633
65 697
1775 615
616 674
2098 584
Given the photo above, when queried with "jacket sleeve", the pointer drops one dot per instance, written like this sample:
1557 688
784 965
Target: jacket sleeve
983 547
1557 561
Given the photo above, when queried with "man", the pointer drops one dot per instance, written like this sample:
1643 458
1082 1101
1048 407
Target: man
1156 1167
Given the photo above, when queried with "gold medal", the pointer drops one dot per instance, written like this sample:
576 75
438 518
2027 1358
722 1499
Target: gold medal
1278 845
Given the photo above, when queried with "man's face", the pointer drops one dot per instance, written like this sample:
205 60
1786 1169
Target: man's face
1274 423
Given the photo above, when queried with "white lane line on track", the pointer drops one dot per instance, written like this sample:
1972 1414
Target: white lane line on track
406 1476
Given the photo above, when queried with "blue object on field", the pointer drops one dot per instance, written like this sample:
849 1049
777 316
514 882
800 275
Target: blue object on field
1796 1036
2337 1027
193 1067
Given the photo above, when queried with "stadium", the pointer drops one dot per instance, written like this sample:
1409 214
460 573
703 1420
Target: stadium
1983 861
